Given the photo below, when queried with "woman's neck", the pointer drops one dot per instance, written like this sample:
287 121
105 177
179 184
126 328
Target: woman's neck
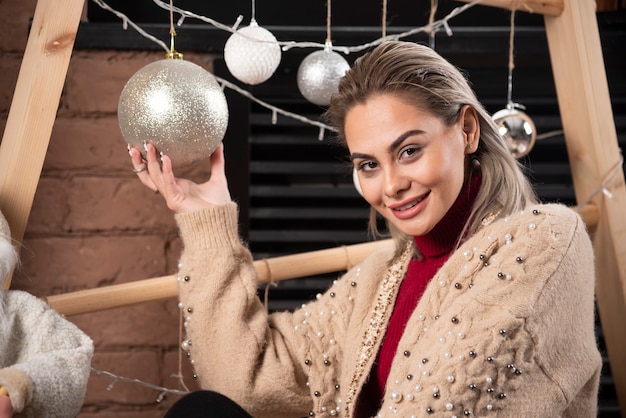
445 235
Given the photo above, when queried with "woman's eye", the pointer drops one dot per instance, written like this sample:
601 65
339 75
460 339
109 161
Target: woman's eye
409 151
367 166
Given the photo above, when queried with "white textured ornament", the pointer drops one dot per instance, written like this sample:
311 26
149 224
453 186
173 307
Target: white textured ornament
517 129
177 106
252 54
319 74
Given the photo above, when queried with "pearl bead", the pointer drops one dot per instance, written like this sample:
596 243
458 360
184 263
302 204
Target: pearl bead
449 406
396 396
467 254
450 379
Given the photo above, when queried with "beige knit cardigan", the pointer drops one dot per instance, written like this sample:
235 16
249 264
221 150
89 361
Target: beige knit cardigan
505 328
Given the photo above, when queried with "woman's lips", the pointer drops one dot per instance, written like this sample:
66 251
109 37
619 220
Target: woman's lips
410 209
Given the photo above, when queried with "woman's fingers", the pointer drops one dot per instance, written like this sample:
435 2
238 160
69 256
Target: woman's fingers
154 168
140 167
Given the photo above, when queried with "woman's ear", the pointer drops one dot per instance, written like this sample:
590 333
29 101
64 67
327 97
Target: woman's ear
471 128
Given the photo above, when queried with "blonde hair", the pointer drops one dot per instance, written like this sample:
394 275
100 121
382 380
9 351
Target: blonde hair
422 77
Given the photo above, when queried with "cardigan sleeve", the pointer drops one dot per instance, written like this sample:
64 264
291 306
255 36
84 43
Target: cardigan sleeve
52 359
262 361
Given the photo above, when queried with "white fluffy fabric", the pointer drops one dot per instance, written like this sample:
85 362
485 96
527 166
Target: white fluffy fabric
8 257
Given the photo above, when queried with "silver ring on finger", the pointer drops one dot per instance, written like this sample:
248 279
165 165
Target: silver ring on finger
142 167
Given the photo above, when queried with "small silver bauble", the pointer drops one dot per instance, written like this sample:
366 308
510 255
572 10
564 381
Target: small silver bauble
517 129
319 74
177 106
252 54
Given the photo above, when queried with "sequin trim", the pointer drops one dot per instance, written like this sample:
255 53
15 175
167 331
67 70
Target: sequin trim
388 288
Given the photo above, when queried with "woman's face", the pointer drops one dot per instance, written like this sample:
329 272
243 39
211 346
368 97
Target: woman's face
410 165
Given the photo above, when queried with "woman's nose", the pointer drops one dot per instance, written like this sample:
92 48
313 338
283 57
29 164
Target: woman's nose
395 182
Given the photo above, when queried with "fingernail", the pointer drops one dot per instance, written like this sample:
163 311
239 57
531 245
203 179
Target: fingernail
161 155
145 146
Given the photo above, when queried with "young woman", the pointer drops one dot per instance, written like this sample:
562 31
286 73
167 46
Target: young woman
485 307
44 359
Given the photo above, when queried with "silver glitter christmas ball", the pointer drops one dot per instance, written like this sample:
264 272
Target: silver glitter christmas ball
518 130
252 54
319 74
177 106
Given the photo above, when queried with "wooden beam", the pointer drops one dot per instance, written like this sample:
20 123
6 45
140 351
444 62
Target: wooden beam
544 7
595 160
33 109
269 271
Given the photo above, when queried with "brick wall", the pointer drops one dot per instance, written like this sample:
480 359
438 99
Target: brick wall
93 224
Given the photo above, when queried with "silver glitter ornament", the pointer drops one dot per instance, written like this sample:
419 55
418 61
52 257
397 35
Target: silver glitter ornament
517 128
177 106
319 74
252 54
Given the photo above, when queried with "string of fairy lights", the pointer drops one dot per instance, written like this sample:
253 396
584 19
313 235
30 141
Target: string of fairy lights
256 41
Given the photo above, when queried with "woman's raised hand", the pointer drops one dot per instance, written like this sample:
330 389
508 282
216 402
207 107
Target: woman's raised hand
181 195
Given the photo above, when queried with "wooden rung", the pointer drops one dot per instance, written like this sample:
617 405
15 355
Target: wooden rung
269 270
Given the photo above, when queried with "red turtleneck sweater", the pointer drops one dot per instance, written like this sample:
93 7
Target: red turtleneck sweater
436 247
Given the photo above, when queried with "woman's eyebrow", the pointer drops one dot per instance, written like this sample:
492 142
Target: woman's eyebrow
393 146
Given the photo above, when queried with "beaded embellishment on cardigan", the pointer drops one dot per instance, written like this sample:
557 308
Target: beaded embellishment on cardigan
388 288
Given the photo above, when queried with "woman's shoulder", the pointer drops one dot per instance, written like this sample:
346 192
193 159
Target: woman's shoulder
531 242
550 218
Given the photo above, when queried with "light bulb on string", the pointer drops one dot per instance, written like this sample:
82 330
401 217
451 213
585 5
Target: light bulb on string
516 127
252 54
177 106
